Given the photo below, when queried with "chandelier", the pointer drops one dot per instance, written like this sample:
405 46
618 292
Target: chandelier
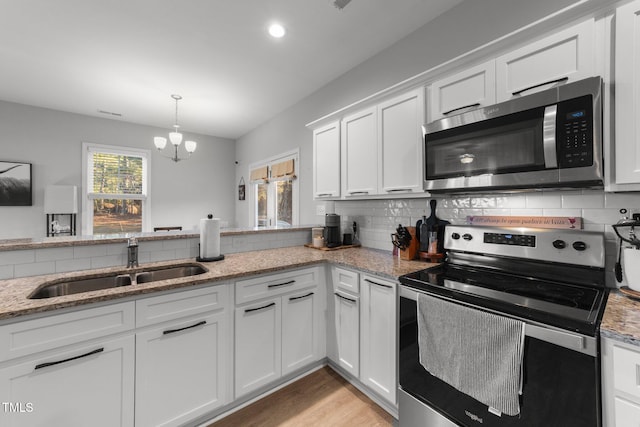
176 139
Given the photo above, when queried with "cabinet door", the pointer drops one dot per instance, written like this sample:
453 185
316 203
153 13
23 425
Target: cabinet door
347 324
378 336
567 55
326 161
89 385
300 329
464 91
400 123
627 413
627 96
191 357
258 345
360 154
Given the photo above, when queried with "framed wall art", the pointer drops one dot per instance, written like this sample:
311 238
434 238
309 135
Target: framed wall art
15 184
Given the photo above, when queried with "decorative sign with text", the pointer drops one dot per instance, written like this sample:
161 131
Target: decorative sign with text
527 221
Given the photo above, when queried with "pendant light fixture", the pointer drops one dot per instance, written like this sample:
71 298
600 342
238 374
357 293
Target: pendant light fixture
176 139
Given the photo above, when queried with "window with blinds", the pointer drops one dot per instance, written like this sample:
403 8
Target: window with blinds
275 191
116 189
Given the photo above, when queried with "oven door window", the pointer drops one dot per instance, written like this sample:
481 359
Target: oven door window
512 143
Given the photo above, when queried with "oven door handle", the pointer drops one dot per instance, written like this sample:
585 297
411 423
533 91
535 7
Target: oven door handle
554 336
563 339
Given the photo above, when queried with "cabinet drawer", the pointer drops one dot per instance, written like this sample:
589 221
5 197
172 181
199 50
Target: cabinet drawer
181 304
626 375
345 280
33 336
275 284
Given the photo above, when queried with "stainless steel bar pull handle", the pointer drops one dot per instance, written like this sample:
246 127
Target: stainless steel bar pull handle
91 353
345 298
172 331
324 195
477 104
281 284
379 284
300 297
355 193
549 137
560 80
249 310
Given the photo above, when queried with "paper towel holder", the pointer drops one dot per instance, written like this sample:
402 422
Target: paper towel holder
208 259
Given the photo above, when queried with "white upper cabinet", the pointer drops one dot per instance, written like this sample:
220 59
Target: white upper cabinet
565 56
469 89
627 95
400 123
360 153
326 161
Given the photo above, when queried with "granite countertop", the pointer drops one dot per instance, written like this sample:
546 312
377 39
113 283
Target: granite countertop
14 292
62 241
621 319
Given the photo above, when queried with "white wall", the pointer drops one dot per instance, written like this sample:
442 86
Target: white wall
471 24
181 193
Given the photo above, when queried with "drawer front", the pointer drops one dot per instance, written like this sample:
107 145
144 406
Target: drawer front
33 336
275 284
626 373
345 280
181 304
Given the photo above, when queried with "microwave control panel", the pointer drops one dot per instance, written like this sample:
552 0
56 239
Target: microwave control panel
574 132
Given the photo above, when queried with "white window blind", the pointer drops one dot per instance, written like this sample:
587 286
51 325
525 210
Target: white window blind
116 174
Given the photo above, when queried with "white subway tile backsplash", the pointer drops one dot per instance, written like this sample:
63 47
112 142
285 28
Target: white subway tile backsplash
562 212
622 200
543 200
34 269
6 272
17 257
600 216
89 251
582 201
174 244
109 261
65 265
53 254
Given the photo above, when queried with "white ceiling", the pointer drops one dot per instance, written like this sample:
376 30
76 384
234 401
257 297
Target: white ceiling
129 56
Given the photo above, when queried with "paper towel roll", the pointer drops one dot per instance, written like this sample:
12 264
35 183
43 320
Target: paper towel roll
209 237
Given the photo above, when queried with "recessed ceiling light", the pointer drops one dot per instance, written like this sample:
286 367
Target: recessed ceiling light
277 31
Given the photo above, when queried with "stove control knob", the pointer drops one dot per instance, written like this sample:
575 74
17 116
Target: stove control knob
559 244
579 246
455 236
467 236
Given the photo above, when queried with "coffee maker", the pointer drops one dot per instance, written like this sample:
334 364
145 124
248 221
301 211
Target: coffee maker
332 230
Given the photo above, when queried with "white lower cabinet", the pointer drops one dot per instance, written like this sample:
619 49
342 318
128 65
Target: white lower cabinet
180 370
75 386
620 383
279 335
364 330
258 345
183 358
378 336
347 331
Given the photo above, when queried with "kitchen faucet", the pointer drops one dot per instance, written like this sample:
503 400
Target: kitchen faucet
132 252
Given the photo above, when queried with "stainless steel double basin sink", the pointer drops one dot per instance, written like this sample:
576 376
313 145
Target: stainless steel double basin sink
78 285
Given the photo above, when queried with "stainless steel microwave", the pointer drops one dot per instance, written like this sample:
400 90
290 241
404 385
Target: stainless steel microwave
552 138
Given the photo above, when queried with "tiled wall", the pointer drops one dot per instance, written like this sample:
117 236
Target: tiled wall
33 262
377 219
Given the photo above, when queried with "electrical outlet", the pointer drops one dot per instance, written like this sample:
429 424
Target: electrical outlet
636 216
321 209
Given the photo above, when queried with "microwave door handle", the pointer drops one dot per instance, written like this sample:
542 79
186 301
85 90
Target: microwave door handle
549 137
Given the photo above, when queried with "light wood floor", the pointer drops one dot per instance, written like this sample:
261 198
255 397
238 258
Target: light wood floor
322 398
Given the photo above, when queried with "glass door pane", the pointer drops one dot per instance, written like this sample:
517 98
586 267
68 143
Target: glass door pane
262 215
284 203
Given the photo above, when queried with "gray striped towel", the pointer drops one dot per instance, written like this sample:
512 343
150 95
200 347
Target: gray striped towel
478 353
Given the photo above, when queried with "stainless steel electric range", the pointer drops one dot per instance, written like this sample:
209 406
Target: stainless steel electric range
554 281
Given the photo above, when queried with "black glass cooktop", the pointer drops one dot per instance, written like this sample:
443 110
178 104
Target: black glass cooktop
565 305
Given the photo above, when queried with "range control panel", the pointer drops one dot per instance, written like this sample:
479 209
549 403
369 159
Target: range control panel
510 239
565 246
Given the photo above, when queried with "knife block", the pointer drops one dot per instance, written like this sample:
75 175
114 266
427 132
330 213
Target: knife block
411 252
